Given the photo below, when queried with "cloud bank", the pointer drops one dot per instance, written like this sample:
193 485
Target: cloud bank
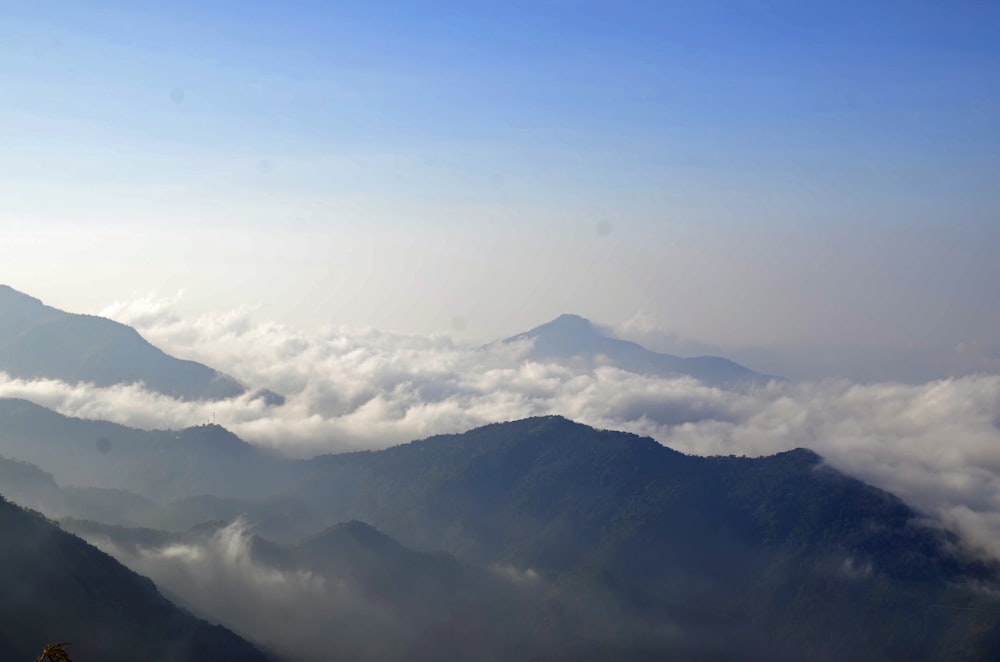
936 444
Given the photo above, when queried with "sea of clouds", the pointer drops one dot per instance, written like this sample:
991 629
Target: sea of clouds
936 444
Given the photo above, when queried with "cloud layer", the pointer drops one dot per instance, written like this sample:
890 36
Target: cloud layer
936 445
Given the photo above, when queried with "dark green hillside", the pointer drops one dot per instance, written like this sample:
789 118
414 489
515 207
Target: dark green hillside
56 587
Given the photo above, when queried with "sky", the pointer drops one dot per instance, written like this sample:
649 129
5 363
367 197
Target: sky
810 188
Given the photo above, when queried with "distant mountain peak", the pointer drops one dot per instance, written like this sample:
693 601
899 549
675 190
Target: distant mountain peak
353 532
804 455
570 320
571 336
211 433
566 325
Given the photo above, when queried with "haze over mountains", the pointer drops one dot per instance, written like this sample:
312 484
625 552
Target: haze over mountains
540 537
367 389
351 389
349 591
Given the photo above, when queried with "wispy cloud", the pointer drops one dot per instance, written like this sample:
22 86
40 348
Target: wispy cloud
222 576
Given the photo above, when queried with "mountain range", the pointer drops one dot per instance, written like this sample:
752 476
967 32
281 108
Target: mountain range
538 538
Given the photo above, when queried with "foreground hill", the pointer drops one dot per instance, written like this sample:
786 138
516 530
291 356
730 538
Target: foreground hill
38 341
571 337
55 587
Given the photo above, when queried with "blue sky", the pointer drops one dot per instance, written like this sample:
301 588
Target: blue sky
747 173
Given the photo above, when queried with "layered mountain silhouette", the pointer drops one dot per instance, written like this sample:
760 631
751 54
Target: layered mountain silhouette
38 341
571 337
55 587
